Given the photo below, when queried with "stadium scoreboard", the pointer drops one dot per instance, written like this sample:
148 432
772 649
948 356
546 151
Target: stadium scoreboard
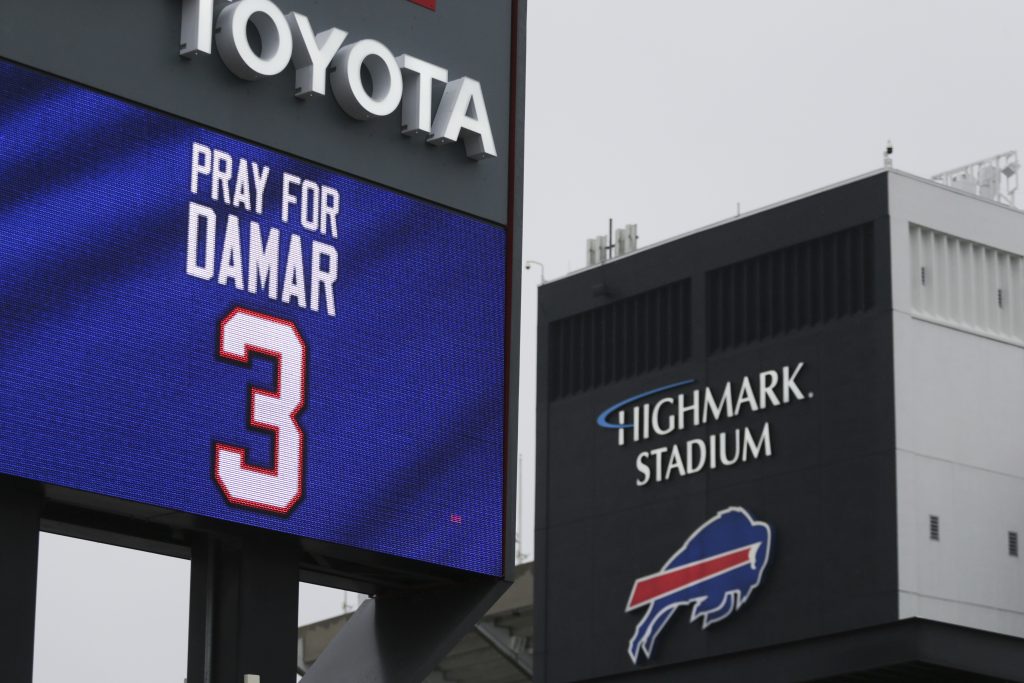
308 335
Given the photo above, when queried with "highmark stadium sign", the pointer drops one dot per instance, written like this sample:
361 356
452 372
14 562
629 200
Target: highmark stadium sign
651 414
199 323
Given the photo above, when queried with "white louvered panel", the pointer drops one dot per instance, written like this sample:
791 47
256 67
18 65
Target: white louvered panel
916 274
936 275
944 288
1002 303
948 281
970 310
1016 300
976 313
987 290
931 290
967 285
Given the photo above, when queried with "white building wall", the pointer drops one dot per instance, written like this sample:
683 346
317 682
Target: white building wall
959 383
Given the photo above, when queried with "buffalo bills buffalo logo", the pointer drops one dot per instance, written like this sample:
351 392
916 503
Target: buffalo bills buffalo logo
715 572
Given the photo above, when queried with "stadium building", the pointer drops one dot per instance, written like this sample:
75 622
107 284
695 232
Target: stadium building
788 447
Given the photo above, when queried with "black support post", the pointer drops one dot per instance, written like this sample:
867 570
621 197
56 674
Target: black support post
243 612
20 506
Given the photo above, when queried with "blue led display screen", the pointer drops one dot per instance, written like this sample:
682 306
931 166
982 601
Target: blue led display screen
199 323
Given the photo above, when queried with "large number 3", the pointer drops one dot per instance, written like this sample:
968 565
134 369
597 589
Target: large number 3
277 488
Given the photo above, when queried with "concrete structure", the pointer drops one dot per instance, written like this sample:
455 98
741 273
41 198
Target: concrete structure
498 650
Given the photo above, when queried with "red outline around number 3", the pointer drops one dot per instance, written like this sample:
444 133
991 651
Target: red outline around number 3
218 447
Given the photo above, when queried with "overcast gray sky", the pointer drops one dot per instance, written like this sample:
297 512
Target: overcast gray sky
664 113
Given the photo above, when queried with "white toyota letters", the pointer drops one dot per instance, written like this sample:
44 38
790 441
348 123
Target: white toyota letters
404 81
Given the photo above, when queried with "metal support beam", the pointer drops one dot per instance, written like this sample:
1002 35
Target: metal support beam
501 640
243 610
300 657
399 638
20 506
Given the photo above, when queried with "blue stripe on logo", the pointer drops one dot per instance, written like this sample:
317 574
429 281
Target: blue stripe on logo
602 419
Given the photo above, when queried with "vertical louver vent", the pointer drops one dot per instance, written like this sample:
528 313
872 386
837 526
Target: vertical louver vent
1013 544
807 284
622 339
967 285
933 527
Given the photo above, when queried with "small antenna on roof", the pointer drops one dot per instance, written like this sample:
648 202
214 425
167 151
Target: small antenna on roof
887 157
618 243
